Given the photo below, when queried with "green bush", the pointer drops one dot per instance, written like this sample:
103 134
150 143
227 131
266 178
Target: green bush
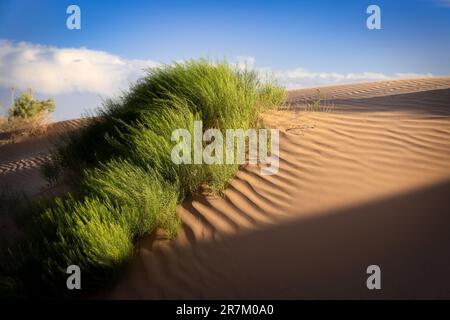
270 95
26 107
152 198
90 233
129 185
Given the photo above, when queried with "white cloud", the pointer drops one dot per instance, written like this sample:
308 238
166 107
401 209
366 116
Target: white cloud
79 72
244 62
51 70
301 78
298 78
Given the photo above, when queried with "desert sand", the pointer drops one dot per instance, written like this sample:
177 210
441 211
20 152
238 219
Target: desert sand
22 156
363 180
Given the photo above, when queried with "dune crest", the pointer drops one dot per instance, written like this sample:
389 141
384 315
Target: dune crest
364 180
362 183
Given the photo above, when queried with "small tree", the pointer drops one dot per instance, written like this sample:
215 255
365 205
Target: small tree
26 107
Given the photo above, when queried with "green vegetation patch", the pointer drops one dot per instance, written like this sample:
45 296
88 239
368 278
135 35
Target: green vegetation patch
128 185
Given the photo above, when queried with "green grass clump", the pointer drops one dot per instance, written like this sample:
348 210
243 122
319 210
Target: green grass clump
319 103
152 198
94 229
90 233
270 95
128 185
215 93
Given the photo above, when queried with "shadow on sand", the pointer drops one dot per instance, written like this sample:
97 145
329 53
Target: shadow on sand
432 102
322 257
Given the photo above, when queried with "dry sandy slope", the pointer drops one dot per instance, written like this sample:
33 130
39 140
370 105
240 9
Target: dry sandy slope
365 183
20 160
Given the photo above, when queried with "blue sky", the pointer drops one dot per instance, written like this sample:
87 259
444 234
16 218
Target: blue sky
302 42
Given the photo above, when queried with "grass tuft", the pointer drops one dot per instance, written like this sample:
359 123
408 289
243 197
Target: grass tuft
129 185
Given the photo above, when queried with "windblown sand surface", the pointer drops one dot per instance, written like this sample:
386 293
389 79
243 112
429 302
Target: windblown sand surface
364 180
20 160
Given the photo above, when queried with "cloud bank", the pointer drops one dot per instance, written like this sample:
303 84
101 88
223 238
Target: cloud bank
54 71
51 70
78 77
299 78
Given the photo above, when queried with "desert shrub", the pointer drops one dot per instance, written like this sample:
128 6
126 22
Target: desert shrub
270 95
27 116
90 233
129 185
224 97
25 106
140 122
219 95
318 103
153 199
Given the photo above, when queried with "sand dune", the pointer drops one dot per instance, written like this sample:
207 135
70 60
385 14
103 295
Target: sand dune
323 256
364 183
373 89
364 180
20 160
